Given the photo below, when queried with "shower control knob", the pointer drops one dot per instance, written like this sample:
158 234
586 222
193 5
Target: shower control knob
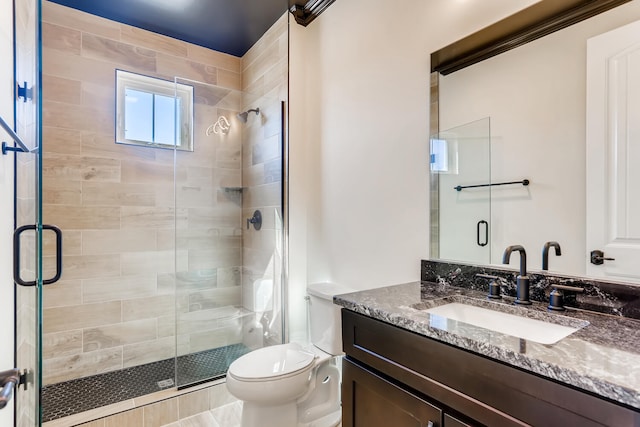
256 220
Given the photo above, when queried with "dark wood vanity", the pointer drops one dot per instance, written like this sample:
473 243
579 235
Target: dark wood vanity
395 377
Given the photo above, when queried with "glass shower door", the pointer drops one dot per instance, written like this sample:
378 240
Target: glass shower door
461 164
228 200
27 238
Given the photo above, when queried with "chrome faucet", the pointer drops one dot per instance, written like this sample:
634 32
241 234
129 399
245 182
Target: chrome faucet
522 281
545 253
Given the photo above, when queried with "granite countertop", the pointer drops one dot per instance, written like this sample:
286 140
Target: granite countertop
602 357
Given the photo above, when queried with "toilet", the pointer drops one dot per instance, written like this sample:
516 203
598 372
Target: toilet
295 385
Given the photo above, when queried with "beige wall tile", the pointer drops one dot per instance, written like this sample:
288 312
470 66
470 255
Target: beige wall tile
108 50
139 263
59 319
61 192
214 258
264 195
195 321
151 217
61 38
228 157
161 413
133 418
193 403
168 65
96 242
271 36
73 18
63 293
63 141
61 64
77 117
72 217
119 334
229 79
219 337
117 194
224 215
61 90
153 41
166 326
60 344
212 57
214 298
71 244
103 145
144 308
90 266
77 366
117 288
148 352
101 96
144 172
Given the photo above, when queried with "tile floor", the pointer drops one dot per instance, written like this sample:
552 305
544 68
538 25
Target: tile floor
224 416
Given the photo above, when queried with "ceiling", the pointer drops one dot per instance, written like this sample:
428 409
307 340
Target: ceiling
229 26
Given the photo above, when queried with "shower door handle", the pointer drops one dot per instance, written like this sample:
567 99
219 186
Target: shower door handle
486 233
16 254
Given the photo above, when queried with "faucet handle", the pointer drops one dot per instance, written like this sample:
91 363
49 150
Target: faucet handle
494 287
556 297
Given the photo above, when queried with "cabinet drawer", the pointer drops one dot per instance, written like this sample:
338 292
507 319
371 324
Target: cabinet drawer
369 400
490 392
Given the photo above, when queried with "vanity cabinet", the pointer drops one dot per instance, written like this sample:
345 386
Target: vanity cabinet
394 377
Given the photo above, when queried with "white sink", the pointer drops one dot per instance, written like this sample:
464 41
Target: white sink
522 327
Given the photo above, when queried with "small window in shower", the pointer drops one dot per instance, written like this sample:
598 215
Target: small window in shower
153 112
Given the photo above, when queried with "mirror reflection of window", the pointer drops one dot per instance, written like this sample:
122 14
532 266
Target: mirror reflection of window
153 112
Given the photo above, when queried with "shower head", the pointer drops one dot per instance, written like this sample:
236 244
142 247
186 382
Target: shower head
243 116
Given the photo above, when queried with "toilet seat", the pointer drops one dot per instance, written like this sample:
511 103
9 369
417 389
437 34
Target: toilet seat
272 363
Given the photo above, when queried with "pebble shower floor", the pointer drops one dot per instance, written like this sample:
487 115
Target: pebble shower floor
83 394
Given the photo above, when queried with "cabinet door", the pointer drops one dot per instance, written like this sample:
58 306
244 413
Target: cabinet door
450 421
371 401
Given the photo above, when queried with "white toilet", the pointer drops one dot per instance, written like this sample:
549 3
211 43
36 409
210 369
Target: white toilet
293 385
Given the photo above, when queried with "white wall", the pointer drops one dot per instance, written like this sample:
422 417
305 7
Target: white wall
359 84
6 199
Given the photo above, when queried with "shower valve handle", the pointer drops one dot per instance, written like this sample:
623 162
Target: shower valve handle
256 220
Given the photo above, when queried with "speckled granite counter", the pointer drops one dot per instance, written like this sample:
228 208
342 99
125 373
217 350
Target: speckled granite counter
602 357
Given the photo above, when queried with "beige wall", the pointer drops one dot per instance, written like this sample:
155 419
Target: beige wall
115 305
6 197
264 85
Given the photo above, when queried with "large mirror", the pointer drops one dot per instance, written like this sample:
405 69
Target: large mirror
535 97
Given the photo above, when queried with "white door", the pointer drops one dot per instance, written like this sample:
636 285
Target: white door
613 152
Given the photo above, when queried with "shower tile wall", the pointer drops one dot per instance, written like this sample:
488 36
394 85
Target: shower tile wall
264 84
115 305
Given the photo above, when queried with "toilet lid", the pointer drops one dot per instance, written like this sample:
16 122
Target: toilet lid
270 362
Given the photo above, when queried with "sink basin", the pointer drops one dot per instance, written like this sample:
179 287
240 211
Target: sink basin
540 331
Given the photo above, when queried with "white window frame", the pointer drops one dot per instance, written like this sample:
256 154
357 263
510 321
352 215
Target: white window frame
127 80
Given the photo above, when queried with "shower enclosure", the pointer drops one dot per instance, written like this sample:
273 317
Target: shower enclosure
461 205
172 259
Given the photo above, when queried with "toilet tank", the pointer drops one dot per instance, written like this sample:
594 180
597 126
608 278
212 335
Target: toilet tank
325 320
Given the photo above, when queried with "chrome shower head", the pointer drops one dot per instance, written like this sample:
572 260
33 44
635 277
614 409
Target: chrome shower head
244 115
